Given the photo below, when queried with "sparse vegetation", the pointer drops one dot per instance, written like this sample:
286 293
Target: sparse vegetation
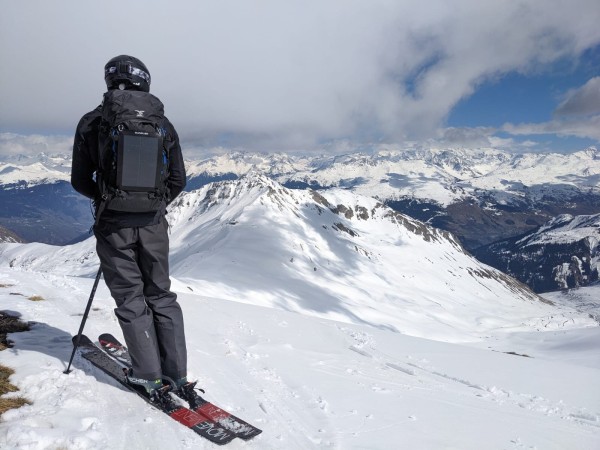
5 388
33 298
9 324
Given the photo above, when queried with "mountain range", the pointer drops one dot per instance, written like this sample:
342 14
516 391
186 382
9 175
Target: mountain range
332 254
482 196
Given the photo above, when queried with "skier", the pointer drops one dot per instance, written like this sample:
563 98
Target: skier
133 246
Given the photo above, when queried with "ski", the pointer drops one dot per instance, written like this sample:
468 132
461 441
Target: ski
114 348
200 424
239 427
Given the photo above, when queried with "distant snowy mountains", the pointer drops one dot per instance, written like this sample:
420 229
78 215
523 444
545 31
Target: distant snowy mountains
37 202
482 196
563 253
8 236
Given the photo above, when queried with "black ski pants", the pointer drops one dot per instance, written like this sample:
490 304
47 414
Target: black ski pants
135 263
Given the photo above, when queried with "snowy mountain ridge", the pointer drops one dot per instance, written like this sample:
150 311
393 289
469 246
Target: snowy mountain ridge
32 174
334 255
566 228
27 171
481 195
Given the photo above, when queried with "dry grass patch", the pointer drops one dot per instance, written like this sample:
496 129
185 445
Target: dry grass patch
36 298
9 324
6 387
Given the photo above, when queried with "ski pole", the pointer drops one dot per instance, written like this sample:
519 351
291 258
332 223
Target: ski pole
85 315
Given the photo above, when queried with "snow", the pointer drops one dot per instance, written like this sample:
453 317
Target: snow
388 172
444 176
565 229
585 300
398 339
307 382
31 175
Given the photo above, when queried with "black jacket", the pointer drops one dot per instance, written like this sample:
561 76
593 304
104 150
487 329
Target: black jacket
85 164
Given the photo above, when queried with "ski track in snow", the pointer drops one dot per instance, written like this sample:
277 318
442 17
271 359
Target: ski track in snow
491 393
388 377
273 390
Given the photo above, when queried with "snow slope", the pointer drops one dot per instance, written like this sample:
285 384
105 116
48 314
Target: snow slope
307 382
585 300
312 317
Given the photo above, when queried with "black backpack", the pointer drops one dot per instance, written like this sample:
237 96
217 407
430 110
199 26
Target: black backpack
133 155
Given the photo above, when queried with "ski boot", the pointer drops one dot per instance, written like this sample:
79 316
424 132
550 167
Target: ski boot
155 390
187 391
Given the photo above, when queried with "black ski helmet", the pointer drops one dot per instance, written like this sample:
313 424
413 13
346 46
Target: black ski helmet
126 70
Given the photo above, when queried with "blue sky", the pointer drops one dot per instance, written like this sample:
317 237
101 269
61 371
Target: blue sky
529 98
307 75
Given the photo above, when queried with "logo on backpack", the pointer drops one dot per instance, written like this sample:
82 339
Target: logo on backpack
133 159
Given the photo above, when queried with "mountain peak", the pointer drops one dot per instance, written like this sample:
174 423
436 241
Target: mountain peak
333 254
591 152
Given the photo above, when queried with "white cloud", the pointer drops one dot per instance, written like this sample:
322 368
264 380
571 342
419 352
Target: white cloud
587 127
12 144
467 137
577 115
582 101
483 137
280 75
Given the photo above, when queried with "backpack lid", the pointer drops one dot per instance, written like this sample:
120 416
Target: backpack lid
127 105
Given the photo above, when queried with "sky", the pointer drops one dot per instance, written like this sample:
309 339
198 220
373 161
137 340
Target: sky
312 75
